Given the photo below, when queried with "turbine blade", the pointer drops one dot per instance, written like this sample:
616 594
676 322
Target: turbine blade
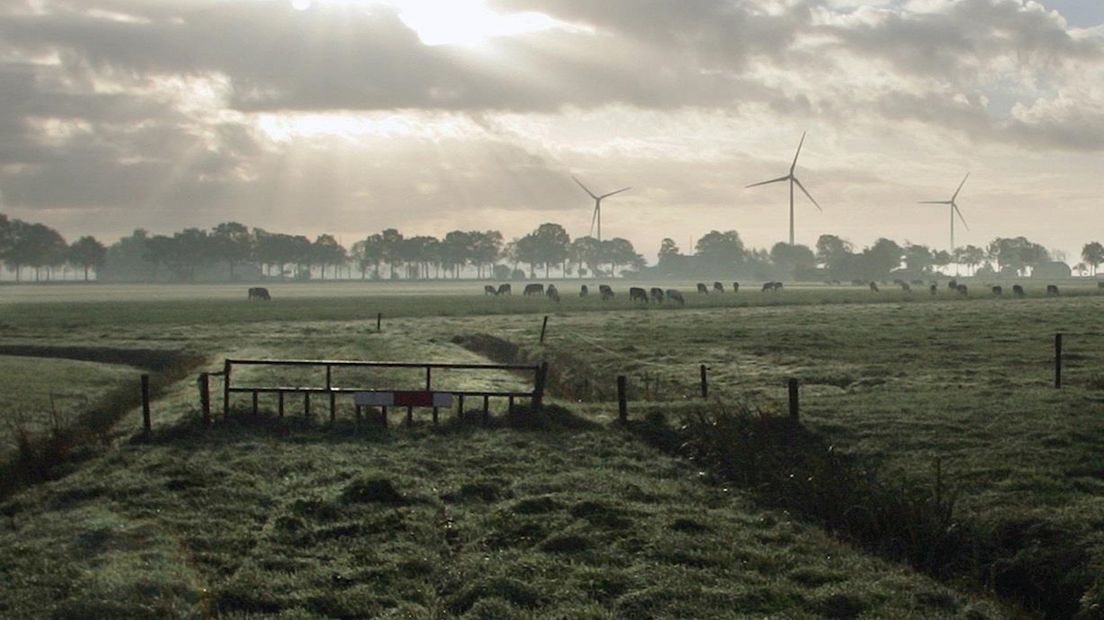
808 195
585 189
593 218
779 179
623 189
960 186
794 164
955 207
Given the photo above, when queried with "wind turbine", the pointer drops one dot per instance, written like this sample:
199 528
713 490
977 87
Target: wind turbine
793 181
598 205
954 209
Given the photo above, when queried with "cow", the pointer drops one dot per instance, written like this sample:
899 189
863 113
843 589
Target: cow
998 291
638 294
533 289
259 293
605 291
735 287
905 287
1052 290
767 286
952 285
717 286
657 295
504 289
702 290
584 291
934 289
675 296
552 293
1018 290
776 286
873 286
490 290
962 290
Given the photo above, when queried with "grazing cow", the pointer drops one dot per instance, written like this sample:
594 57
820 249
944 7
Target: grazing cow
675 296
962 290
552 293
735 287
767 286
490 290
657 295
717 286
638 294
837 283
934 288
702 290
1052 290
905 287
777 287
998 291
952 285
584 291
259 293
1018 290
504 289
533 289
873 286
605 291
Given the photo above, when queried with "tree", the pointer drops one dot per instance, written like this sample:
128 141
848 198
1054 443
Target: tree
834 253
231 242
551 246
792 258
87 252
1093 255
391 240
585 251
971 256
35 245
919 259
456 250
721 252
1017 254
619 252
527 250
326 252
881 258
369 252
486 248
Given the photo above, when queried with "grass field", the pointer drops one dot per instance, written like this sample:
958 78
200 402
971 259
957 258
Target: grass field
43 393
567 519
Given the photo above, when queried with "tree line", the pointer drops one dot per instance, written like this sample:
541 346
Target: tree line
233 251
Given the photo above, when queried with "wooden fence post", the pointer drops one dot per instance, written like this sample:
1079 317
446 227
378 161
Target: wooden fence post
622 399
226 389
1058 361
704 382
379 321
147 425
544 326
538 389
205 397
795 406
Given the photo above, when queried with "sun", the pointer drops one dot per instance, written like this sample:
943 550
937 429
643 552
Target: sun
450 22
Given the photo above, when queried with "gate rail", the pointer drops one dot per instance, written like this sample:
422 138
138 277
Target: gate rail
535 396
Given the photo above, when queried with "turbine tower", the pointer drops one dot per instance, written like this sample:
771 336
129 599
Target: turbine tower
597 215
954 209
793 181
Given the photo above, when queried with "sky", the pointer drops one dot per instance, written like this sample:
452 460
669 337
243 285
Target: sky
351 116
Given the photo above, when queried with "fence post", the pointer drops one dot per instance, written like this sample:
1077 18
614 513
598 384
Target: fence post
1058 361
205 397
538 389
622 399
226 389
146 423
544 326
704 382
379 321
795 406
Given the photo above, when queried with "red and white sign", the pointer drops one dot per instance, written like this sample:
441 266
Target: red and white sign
403 399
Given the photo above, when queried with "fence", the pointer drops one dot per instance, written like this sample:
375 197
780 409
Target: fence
332 391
